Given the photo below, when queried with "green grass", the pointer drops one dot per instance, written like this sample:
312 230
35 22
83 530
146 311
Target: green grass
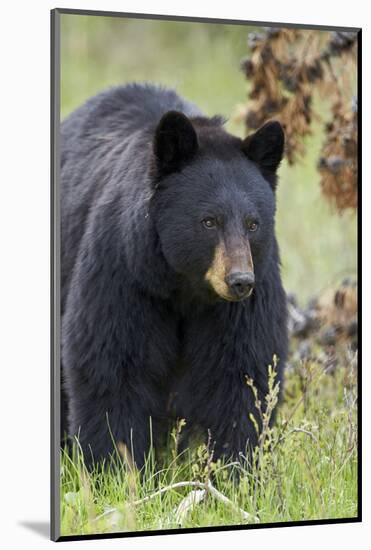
312 472
306 469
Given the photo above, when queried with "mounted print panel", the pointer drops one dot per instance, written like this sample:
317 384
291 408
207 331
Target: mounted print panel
205 274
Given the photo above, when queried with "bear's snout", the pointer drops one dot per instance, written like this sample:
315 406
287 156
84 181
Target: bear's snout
231 273
240 284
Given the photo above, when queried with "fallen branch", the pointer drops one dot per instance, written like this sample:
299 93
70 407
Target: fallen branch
219 496
187 505
199 492
196 484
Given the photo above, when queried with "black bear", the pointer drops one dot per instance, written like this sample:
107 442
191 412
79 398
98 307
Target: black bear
171 291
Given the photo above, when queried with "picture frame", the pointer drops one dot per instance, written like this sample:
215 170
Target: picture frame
56 64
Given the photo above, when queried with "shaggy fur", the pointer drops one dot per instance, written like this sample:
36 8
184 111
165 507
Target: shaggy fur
144 333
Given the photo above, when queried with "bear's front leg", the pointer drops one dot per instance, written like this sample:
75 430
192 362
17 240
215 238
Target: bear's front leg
115 365
225 347
236 427
106 419
227 412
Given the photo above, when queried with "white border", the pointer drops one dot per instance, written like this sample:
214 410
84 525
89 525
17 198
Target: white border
24 200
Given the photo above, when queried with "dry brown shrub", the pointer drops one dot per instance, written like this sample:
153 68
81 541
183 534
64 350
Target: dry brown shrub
287 67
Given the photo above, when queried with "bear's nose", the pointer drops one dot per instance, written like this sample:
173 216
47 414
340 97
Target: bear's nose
241 284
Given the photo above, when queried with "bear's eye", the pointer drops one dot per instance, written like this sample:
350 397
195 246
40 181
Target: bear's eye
252 226
209 223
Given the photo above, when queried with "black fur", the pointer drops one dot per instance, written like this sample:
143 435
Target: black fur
139 321
175 142
265 148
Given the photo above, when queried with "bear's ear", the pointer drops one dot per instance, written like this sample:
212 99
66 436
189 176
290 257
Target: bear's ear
175 142
266 146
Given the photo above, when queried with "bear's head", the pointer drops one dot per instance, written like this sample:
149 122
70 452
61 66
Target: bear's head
213 202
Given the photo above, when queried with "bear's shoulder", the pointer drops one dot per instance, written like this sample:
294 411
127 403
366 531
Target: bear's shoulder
128 108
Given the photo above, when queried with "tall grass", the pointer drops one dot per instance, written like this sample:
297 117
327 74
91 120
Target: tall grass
305 467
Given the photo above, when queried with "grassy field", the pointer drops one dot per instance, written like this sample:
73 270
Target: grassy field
311 469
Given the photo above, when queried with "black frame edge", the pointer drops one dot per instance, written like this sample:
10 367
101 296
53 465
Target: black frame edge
55 276
195 19
67 538
359 267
